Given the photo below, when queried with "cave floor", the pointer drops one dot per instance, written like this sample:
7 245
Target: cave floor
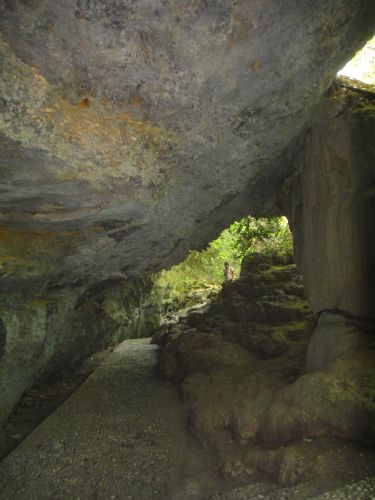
123 435
41 399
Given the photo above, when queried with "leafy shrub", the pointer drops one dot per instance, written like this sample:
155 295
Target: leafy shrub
265 235
202 272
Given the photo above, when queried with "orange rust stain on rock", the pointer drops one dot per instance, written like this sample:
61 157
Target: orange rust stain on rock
87 125
40 78
99 127
104 101
26 239
85 103
137 102
21 250
243 22
143 127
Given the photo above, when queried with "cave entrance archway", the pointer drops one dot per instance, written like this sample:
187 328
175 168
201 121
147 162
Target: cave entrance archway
362 66
201 274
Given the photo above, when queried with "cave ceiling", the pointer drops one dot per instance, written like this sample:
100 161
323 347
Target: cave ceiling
131 132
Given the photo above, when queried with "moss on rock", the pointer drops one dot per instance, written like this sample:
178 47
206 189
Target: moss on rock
47 335
243 378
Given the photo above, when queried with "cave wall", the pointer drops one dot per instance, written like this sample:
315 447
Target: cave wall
133 132
51 334
330 202
328 388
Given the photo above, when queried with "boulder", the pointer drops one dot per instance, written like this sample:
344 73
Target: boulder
334 337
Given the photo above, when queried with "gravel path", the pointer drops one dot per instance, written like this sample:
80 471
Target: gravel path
356 490
121 435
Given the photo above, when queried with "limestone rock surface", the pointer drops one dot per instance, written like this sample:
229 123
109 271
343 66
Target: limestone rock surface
251 399
132 132
335 336
49 335
330 203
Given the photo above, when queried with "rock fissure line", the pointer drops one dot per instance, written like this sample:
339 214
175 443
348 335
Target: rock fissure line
357 321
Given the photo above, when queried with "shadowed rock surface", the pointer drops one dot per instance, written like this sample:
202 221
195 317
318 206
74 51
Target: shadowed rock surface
123 435
330 203
133 132
49 334
241 370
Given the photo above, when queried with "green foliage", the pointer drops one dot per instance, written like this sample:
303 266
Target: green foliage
202 272
263 235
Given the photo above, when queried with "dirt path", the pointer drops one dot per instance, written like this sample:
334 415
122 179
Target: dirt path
121 435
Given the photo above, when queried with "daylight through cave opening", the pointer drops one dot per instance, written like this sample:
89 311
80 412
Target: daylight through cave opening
201 274
362 66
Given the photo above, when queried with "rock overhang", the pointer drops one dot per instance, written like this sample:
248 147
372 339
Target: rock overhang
133 132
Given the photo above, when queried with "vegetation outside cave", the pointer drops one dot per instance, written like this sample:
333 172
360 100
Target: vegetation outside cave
201 274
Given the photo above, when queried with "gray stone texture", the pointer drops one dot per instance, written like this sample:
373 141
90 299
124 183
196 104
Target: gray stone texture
49 335
133 132
335 337
136 131
331 204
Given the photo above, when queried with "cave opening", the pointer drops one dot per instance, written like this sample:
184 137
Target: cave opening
362 66
201 274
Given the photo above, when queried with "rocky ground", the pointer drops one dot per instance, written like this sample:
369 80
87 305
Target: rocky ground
241 367
123 435
125 432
